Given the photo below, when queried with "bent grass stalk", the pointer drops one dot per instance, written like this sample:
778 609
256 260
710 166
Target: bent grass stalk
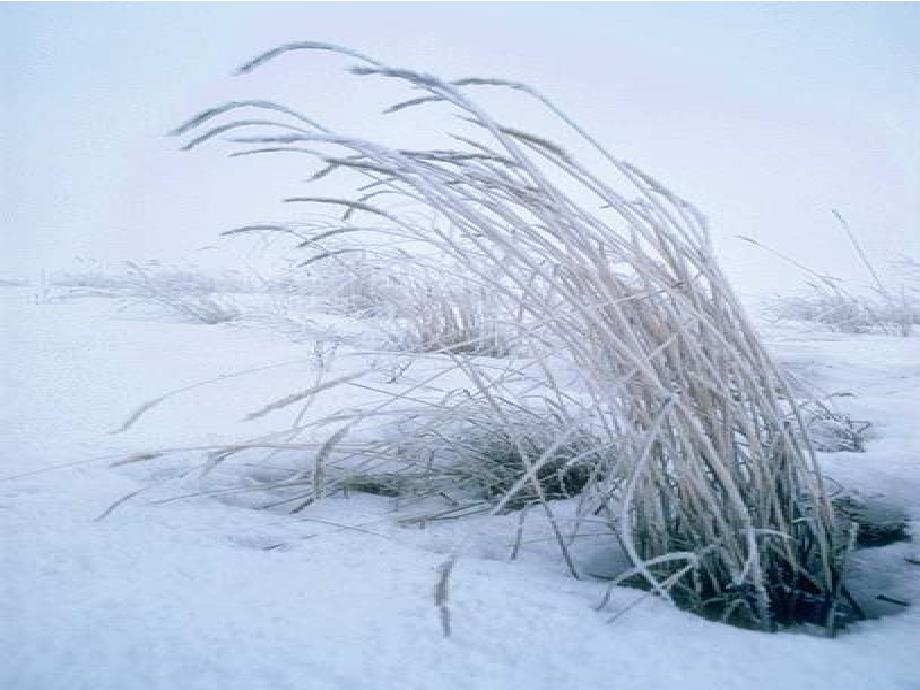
613 277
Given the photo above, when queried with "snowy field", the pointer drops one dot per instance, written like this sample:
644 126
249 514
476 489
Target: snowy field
442 346
205 592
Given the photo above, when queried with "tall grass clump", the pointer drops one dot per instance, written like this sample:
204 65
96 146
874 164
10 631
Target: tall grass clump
698 463
833 303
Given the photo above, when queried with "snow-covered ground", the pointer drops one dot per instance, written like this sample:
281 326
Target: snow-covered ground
206 593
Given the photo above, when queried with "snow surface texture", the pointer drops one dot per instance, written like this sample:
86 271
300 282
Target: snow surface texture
206 593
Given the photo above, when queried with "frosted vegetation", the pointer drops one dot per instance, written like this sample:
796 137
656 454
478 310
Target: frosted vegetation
638 383
501 326
890 307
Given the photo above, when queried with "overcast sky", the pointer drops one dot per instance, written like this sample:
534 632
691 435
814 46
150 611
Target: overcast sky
765 115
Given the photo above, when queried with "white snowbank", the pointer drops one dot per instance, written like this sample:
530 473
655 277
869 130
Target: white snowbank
208 594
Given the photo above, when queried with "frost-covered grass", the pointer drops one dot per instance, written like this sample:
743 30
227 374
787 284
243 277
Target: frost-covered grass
416 306
186 292
137 277
832 303
181 293
701 469
413 305
832 306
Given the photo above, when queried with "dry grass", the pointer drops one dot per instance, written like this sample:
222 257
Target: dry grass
416 306
635 335
186 292
450 316
834 304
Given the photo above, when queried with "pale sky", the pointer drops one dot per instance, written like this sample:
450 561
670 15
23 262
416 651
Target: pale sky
764 115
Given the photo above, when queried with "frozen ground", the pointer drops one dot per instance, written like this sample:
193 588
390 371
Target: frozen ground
207 594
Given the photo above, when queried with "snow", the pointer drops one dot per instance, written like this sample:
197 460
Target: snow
206 593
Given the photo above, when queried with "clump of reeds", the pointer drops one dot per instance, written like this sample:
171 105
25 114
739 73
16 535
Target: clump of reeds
713 490
833 303
837 308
